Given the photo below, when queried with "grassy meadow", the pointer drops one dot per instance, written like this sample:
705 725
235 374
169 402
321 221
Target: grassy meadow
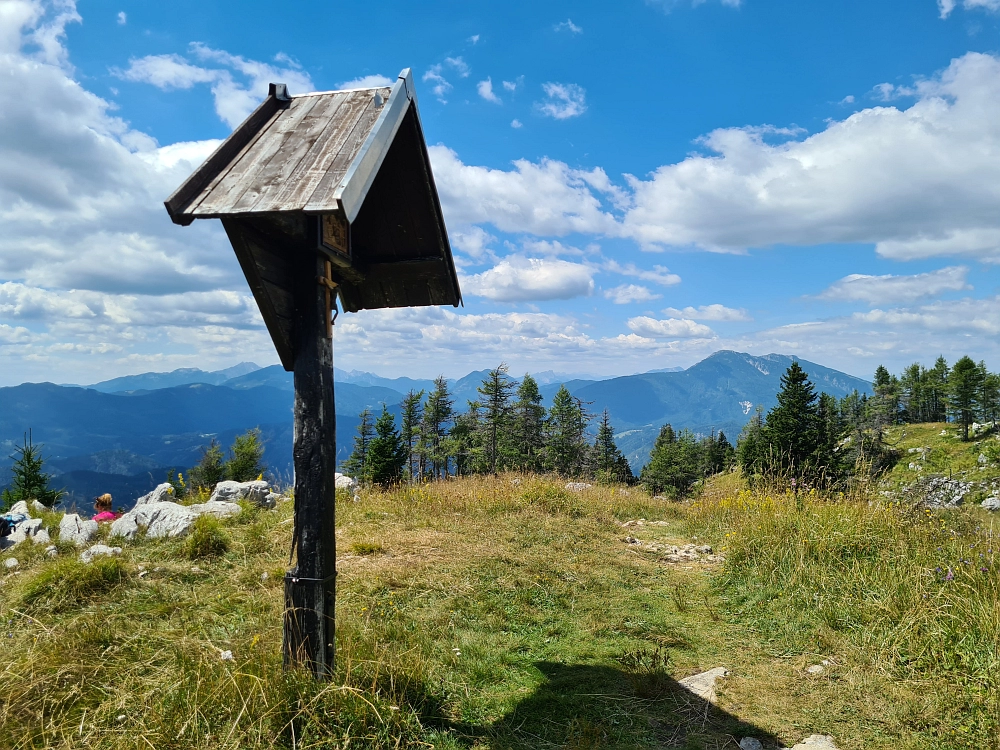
510 613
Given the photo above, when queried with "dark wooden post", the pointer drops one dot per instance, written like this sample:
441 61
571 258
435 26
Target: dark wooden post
310 585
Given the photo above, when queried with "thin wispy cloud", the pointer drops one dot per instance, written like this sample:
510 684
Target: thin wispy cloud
122 18
890 289
629 293
569 26
564 100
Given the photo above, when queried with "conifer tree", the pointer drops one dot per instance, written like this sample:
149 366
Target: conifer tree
963 392
528 427
936 387
438 413
566 445
386 454
673 463
356 464
465 441
246 457
412 411
496 390
210 469
752 449
792 428
28 478
610 464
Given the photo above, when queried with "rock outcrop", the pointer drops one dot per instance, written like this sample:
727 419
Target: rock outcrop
99 550
74 529
257 492
703 684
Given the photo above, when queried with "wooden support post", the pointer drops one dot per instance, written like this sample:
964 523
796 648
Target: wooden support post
310 585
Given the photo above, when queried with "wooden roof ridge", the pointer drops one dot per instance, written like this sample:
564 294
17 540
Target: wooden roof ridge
317 152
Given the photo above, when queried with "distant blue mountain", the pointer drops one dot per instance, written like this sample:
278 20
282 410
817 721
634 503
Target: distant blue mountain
149 381
128 431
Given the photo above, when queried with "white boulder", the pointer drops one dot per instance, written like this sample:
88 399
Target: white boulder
74 529
578 486
215 508
99 550
10 563
703 684
991 503
20 507
344 482
816 742
254 492
164 519
163 493
41 537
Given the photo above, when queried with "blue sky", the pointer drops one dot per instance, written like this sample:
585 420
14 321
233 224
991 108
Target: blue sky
627 186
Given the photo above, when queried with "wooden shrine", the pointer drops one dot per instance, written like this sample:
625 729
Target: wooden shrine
324 196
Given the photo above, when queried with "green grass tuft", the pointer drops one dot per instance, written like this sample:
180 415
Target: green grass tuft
69 582
207 538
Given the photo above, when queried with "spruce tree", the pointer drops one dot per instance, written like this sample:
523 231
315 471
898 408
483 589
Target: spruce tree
386 454
438 413
792 428
465 441
496 390
412 411
674 463
610 464
28 478
963 392
210 469
356 464
565 445
752 450
936 387
246 457
528 427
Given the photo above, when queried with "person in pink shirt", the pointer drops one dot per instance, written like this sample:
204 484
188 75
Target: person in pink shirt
102 505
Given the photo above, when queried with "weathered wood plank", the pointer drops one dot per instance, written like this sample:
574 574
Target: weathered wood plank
337 166
283 171
242 176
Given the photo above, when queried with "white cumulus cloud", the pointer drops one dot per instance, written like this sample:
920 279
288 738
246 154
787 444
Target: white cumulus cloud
485 89
889 289
519 279
671 328
372 81
947 6
708 312
627 293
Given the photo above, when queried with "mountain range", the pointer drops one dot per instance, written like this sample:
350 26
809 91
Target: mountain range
121 435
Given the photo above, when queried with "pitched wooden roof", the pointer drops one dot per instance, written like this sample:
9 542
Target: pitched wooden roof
352 163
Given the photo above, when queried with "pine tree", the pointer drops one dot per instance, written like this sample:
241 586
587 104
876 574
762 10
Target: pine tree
437 415
528 427
386 453
963 392
885 404
465 441
936 388
412 411
28 478
496 390
356 464
610 464
565 445
751 448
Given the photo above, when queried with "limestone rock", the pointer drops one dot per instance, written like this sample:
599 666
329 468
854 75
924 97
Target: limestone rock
163 493
51 551
344 482
164 519
41 537
20 507
578 486
816 742
937 491
703 684
99 550
271 501
215 508
74 529
750 743
10 563
254 492
991 503
38 507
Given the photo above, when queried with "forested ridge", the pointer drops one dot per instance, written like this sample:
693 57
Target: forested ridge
808 439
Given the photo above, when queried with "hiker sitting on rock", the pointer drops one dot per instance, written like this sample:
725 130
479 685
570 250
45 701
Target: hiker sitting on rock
102 505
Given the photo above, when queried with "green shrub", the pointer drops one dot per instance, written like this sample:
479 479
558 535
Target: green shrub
207 538
553 500
70 582
367 548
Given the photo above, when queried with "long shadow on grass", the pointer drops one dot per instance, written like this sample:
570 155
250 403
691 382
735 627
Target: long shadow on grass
584 706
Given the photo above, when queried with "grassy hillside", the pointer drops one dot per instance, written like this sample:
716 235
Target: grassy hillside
483 613
937 448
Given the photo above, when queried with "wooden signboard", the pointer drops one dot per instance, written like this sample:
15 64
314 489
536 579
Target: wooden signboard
324 196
